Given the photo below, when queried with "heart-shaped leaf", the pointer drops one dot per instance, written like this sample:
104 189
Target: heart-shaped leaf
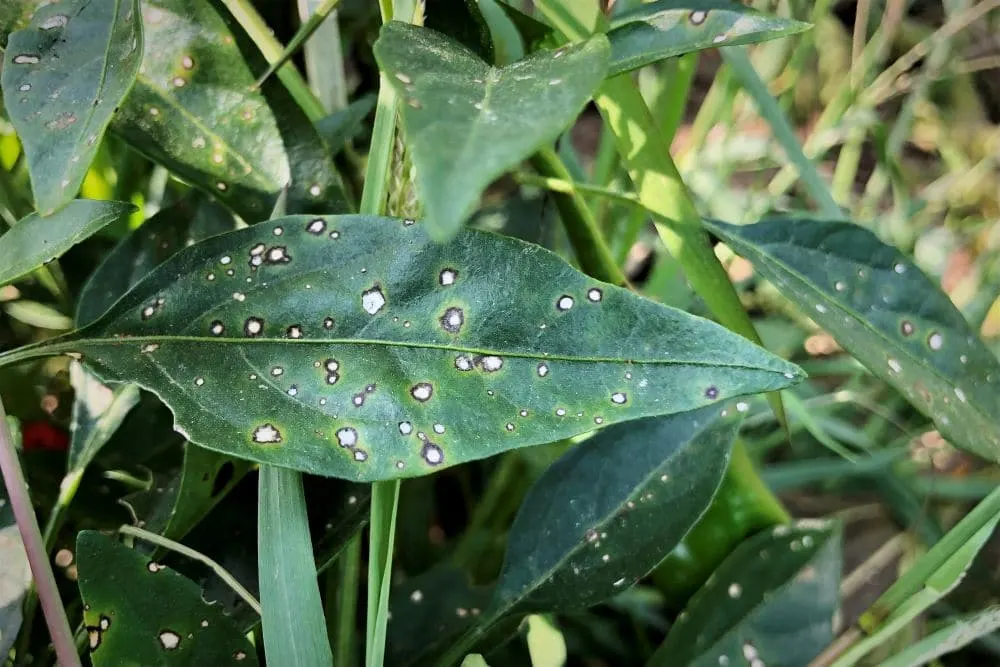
63 77
34 240
667 28
883 310
772 600
467 123
140 612
300 342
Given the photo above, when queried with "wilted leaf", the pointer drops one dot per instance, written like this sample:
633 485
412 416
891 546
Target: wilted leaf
35 240
138 612
773 600
63 78
301 342
467 123
668 28
885 312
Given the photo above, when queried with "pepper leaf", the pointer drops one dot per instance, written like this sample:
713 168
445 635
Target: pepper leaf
300 342
34 240
467 123
773 600
883 310
63 77
668 28
140 612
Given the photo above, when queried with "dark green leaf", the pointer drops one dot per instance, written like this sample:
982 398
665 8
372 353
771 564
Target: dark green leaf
342 126
15 573
98 411
668 28
292 621
773 599
184 223
882 309
607 512
34 240
138 612
467 123
302 342
63 77
535 33
463 21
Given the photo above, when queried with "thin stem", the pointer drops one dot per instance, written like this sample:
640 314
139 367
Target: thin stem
177 547
304 32
345 601
373 197
34 547
569 187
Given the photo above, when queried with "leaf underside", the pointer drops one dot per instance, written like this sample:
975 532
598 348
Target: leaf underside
883 310
301 342
63 79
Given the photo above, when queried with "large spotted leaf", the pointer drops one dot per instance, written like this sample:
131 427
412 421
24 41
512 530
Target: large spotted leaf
138 612
357 347
63 78
668 28
467 122
884 311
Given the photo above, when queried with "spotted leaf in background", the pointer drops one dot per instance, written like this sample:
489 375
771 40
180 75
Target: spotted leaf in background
667 28
139 612
885 312
302 342
63 78
467 123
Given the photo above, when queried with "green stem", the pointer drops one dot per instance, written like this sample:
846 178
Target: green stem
341 607
304 32
385 502
581 227
38 558
565 186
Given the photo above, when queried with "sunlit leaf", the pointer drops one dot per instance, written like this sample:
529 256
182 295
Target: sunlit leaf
883 310
466 122
98 411
138 612
772 600
35 240
63 78
666 28
301 342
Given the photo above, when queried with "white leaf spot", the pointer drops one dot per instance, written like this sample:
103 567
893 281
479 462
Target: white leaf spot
543 370
422 391
565 302
491 363
266 433
169 640
619 397
935 341
447 277
594 294
372 300
347 437
406 428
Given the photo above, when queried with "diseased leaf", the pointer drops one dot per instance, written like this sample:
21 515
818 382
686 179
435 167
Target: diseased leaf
63 78
98 411
301 342
467 123
667 28
883 310
138 612
34 240
602 516
181 224
959 632
772 600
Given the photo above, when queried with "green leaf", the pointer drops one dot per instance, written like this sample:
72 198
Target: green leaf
138 612
467 123
772 600
607 512
662 29
546 644
883 310
342 126
292 621
959 632
35 314
63 78
191 219
300 342
463 21
98 411
34 240
15 575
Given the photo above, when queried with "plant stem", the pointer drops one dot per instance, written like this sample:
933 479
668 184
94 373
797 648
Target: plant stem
304 32
34 547
183 550
345 601
385 501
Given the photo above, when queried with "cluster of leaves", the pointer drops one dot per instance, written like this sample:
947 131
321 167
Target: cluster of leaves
261 346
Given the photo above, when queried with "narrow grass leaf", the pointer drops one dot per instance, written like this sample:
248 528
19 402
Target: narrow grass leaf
63 78
767 602
35 240
882 309
958 633
300 342
294 629
137 611
667 28
466 122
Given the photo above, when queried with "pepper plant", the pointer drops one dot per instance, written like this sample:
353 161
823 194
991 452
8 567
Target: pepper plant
287 336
